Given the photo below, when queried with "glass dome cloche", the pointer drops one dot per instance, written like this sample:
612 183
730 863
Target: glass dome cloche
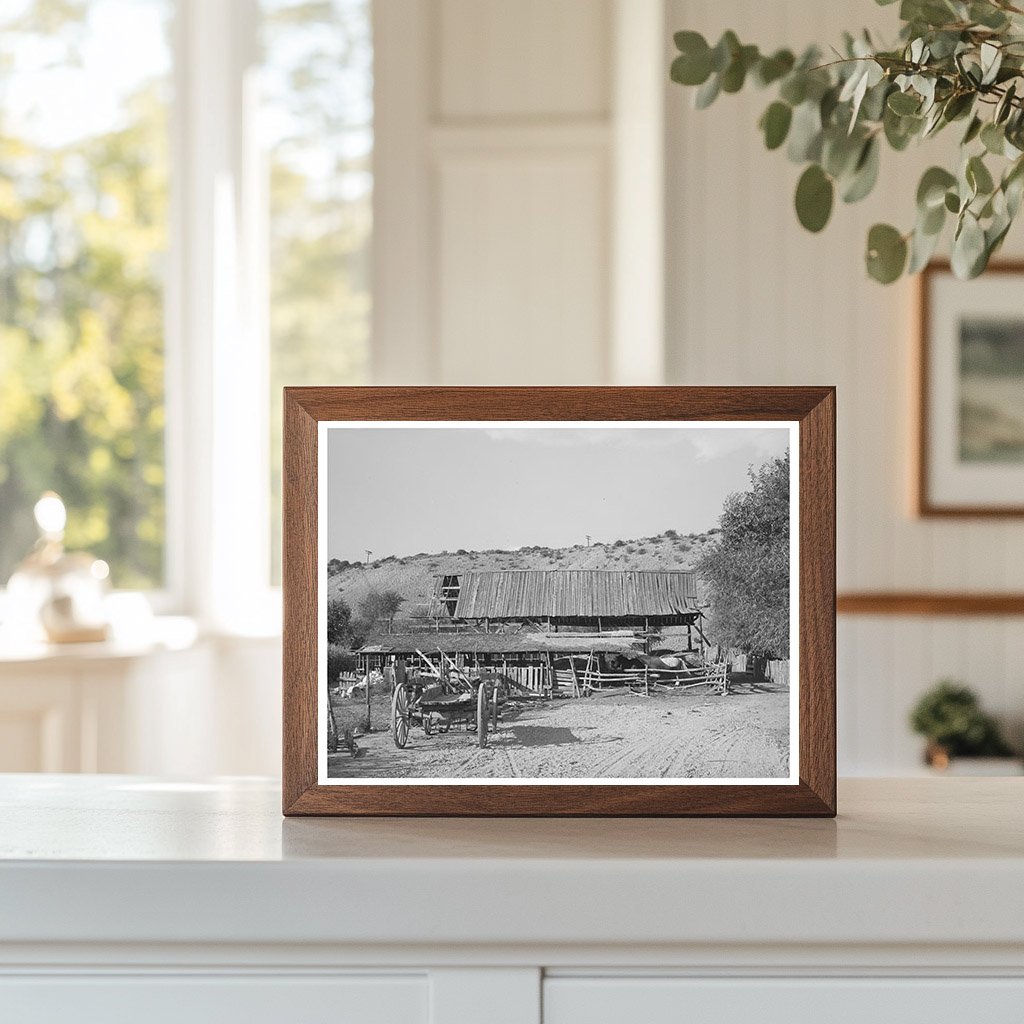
57 595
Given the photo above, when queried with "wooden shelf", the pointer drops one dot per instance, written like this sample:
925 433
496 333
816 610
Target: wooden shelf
928 603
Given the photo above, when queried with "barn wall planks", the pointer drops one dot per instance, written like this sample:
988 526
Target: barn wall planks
751 298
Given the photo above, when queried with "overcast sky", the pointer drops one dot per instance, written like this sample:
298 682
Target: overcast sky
402 490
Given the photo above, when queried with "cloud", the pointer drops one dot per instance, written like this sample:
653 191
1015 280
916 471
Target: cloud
762 442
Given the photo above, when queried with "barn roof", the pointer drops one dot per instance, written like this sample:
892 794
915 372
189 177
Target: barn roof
498 643
575 593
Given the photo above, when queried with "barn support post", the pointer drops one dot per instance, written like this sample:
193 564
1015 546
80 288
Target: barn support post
575 678
369 724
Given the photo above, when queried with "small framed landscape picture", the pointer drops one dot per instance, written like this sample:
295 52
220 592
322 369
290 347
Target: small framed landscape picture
970 452
559 601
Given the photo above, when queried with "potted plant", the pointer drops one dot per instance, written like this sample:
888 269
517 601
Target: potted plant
950 718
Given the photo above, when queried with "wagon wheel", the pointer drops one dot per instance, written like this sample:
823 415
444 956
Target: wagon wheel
481 715
400 717
494 709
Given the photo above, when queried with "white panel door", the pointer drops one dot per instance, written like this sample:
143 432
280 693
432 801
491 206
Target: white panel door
523 282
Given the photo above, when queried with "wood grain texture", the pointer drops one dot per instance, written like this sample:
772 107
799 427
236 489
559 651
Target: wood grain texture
923 503
812 407
925 603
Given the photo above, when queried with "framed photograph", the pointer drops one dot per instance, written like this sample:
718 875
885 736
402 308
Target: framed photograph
970 451
559 601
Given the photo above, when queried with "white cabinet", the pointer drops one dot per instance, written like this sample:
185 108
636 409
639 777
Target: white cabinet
127 899
202 999
829 1000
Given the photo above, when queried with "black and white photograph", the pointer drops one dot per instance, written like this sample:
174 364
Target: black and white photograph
584 602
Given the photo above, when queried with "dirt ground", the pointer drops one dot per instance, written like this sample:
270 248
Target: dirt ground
611 735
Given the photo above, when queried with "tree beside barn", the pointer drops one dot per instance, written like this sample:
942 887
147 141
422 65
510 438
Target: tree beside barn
747 570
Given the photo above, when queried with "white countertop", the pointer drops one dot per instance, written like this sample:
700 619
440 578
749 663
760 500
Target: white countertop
119 859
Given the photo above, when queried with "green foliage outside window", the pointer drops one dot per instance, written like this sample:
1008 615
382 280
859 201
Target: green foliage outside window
83 219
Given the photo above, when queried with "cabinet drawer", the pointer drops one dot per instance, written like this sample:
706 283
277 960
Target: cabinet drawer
202 999
675 1000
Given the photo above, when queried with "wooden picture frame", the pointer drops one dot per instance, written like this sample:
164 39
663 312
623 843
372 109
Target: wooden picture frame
810 411
931 375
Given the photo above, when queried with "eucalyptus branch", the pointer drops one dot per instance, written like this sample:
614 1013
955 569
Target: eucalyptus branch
955 61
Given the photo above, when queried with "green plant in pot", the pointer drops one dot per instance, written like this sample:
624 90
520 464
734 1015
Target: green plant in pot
950 717
956 63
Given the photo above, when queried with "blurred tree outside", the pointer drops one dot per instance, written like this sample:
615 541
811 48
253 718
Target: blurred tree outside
84 169
83 232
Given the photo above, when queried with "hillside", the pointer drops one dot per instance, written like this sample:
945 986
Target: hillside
413 576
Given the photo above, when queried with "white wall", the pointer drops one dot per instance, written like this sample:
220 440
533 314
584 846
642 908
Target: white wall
754 299
500 156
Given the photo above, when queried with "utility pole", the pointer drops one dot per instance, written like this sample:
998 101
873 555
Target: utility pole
588 540
368 553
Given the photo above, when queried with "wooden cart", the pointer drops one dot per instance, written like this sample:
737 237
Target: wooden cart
438 704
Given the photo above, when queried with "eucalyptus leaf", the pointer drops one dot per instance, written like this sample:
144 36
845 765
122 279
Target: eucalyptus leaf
691 70
932 221
724 51
840 152
814 195
978 176
904 103
775 124
771 69
1005 105
973 130
922 247
957 106
987 15
968 255
805 133
993 138
991 61
886 253
707 93
865 173
931 190
735 74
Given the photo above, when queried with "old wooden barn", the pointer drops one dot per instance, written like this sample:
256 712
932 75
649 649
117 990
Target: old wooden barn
549 629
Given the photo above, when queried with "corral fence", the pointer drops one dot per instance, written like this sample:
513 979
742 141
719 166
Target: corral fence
591 676
759 667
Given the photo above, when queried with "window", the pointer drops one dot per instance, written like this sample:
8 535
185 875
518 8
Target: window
185 221
317 117
83 235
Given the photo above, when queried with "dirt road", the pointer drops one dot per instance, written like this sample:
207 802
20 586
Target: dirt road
619 735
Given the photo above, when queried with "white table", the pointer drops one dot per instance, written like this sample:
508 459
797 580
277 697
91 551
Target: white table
124 898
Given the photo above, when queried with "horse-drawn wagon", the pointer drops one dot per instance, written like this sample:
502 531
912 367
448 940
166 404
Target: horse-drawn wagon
438 703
